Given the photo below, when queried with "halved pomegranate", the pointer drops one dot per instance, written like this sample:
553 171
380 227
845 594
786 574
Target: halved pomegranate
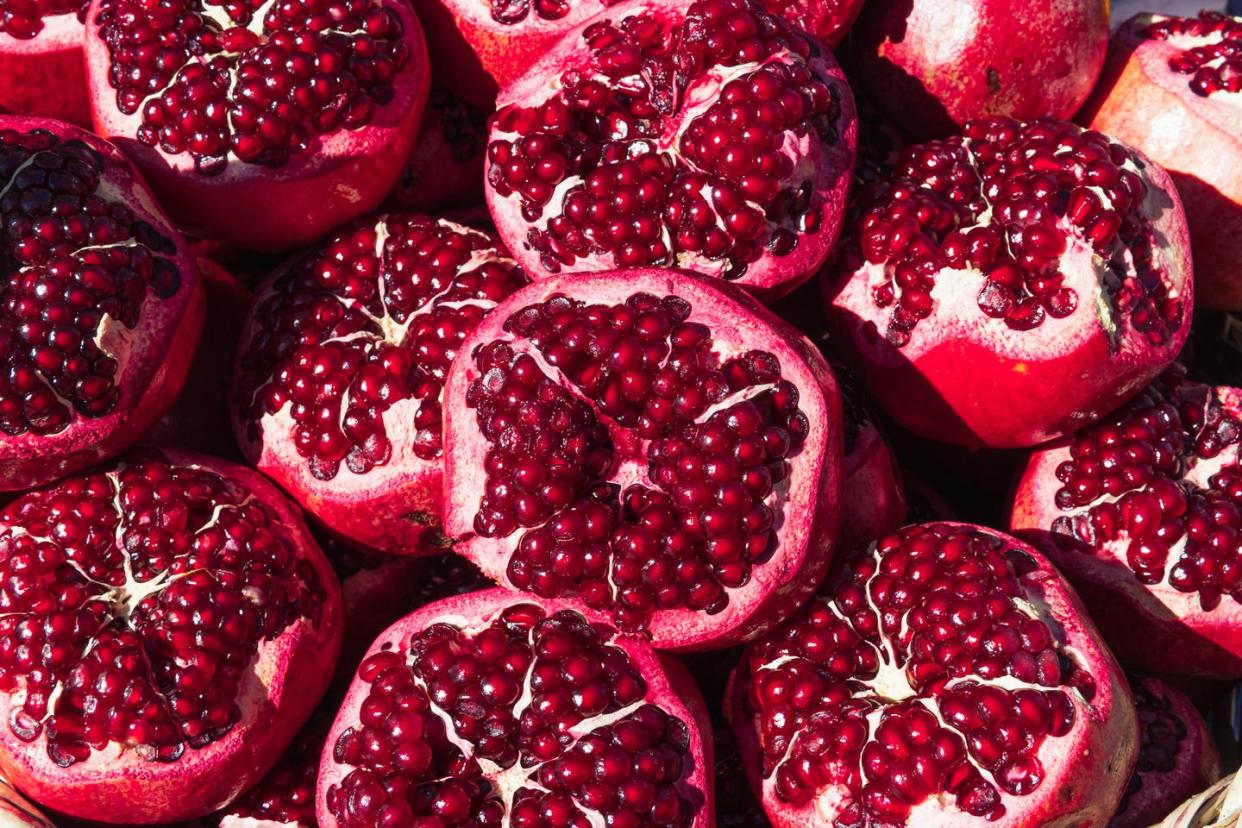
167 626
42 72
1008 285
651 443
264 125
1143 511
1170 88
445 170
345 352
933 65
101 306
711 136
495 708
946 677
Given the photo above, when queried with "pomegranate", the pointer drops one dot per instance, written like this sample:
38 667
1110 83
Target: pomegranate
17 812
652 443
101 309
445 170
1143 511
285 797
337 391
932 65
1169 88
494 708
711 136
1177 757
947 677
877 502
264 125
41 65
1008 285
375 591
828 20
168 625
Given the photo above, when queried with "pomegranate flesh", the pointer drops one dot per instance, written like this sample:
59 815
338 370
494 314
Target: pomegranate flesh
1143 511
100 308
168 626
337 394
947 677
1008 285
495 708
710 136
42 72
261 125
445 169
651 443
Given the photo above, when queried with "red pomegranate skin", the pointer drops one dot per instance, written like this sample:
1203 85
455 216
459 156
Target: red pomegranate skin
875 497
277 687
42 72
445 169
136 347
1189 129
933 65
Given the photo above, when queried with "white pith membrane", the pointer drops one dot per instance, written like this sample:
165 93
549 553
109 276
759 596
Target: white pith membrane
124 609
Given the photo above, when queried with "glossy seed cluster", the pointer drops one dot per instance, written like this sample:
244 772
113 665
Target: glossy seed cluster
1213 66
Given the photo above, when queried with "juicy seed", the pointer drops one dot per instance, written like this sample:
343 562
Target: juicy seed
1213 66
23 19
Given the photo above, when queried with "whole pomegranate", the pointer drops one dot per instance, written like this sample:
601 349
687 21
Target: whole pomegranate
494 708
445 169
1168 89
947 676
1177 757
340 370
261 125
17 812
651 443
710 136
1143 511
41 66
1010 284
100 303
168 625
877 502
933 65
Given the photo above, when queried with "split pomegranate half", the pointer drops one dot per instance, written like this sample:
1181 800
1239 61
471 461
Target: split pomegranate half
42 72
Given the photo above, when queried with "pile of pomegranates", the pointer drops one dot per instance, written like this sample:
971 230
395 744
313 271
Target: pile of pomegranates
618 413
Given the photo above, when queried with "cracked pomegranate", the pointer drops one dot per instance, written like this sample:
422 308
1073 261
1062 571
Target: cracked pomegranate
1143 511
338 386
1008 285
100 308
493 709
948 676
1170 88
41 65
445 170
261 124
710 136
933 65
167 626
653 444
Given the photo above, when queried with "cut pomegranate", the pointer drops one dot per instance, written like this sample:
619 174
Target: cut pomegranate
651 443
375 591
41 66
1143 511
337 393
933 65
261 124
168 625
445 170
499 709
101 307
1170 87
1008 285
710 136
948 677
1177 757
17 812
828 20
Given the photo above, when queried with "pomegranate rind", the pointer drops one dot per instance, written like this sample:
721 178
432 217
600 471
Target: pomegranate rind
18 812
669 687
873 495
282 686
344 174
1143 102
932 66
1086 771
45 76
811 512
161 347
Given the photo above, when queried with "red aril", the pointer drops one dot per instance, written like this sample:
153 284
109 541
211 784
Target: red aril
1010 284
101 306
41 65
261 125
947 676
337 394
710 136
168 626
828 20
1169 88
445 168
651 443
